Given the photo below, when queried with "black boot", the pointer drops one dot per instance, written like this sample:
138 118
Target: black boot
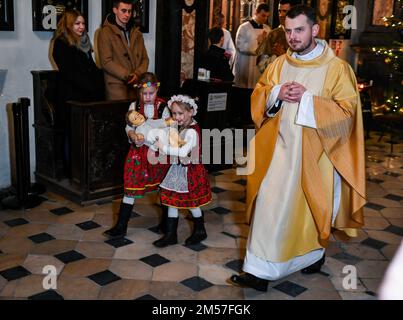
162 226
315 267
120 228
199 232
249 280
170 236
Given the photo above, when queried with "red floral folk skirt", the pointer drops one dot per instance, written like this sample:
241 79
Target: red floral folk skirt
199 190
140 176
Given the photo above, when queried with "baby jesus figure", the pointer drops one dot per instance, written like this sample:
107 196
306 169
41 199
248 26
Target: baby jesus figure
152 130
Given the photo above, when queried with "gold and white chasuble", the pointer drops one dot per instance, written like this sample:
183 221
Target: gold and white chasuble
309 175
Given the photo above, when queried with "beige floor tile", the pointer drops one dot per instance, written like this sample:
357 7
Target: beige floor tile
317 294
76 217
372 223
146 210
395 213
53 247
215 274
125 290
77 288
234 206
135 251
232 196
221 293
8 261
219 240
239 230
175 271
13 245
3 283
36 263
356 296
372 284
389 250
26 230
104 219
29 286
85 267
131 269
95 249
95 235
9 289
389 185
179 253
65 231
371 269
363 252
271 294
140 235
386 203
235 217
214 227
108 208
220 256
143 222
346 284
229 186
42 216
396 222
311 281
385 236
171 291
213 218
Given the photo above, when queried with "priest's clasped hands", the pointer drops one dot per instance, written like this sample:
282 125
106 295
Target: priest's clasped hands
291 92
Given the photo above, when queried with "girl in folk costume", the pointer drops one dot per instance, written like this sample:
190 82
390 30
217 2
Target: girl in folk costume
141 176
186 184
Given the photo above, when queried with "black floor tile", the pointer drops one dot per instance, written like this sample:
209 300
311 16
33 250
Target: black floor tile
47 295
242 200
41 237
393 197
197 283
242 182
105 277
221 210
70 256
371 293
395 230
119 242
290 288
374 180
347 258
197 247
14 273
217 190
392 174
147 297
155 260
16 222
61 211
229 235
88 225
102 202
374 206
134 215
373 243
216 174
235 265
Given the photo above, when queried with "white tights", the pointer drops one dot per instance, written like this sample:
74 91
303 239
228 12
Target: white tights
174 212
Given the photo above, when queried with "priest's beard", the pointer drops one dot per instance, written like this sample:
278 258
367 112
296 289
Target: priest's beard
302 48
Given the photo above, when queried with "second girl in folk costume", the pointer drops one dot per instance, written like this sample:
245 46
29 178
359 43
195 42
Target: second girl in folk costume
141 176
186 185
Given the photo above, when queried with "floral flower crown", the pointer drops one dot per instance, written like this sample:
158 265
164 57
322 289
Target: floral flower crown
147 84
180 98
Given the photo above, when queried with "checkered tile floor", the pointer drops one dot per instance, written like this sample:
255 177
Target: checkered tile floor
69 237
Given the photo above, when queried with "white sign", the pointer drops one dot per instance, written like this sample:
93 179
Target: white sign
217 102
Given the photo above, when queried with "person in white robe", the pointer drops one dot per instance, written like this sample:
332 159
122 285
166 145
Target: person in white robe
249 36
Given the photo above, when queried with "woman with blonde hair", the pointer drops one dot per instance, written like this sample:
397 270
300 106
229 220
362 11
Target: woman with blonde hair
79 78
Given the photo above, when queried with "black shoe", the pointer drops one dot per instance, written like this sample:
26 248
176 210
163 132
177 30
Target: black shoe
249 280
119 230
170 236
199 232
315 267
